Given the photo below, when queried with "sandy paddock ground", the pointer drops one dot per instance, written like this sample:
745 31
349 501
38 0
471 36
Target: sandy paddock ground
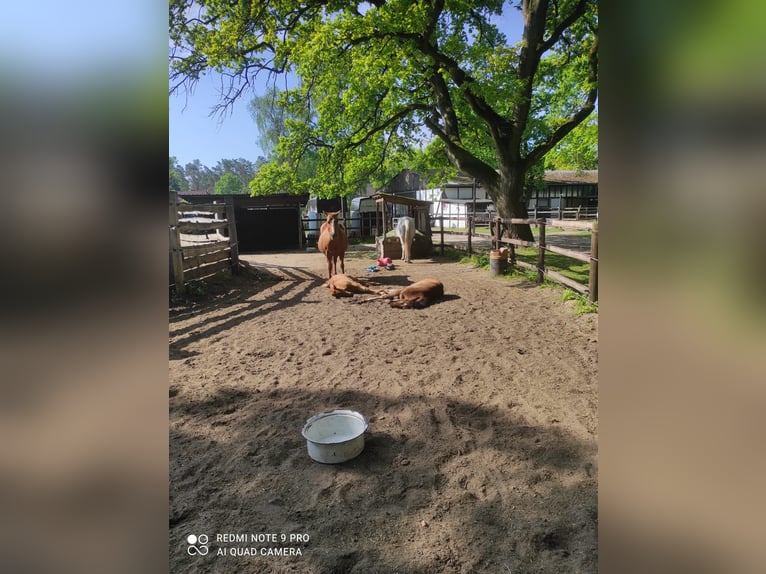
481 454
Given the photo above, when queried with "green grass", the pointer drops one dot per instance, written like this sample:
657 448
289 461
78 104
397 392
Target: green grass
568 267
583 305
572 268
480 261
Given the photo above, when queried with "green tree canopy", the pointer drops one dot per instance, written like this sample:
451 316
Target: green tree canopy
378 79
177 180
229 183
201 177
271 117
578 150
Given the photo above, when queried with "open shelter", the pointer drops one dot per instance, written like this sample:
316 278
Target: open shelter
391 208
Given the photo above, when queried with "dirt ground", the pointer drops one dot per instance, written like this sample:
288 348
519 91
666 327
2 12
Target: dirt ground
481 453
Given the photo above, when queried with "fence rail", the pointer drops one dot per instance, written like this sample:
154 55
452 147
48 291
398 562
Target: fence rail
195 253
496 229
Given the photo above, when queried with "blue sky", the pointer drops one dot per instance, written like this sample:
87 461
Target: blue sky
49 41
194 134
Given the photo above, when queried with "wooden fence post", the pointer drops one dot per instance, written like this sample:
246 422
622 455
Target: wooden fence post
441 233
541 252
593 275
496 239
175 246
470 227
230 217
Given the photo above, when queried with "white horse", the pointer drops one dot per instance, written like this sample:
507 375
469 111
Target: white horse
405 230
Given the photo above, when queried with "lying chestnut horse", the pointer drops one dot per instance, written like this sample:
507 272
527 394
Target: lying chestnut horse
344 286
333 242
416 296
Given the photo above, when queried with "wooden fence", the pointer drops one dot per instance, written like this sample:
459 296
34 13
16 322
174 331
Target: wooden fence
198 249
569 213
496 225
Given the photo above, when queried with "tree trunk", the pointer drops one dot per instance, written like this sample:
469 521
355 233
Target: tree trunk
508 196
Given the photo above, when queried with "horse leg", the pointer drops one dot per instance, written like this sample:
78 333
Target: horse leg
342 264
329 266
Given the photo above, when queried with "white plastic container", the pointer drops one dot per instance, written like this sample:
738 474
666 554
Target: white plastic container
335 436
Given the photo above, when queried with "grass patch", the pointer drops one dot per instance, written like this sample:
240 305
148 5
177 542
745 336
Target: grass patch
583 305
568 267
481 261
477 260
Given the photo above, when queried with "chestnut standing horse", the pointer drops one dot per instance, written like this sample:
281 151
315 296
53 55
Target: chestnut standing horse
333 242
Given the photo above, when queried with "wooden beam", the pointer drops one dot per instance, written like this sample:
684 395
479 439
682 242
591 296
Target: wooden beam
202 207
203 248
233 241
541 253
519 242
186 226
579 255
208 270
571 283
569 224
175 246
593 278
199 260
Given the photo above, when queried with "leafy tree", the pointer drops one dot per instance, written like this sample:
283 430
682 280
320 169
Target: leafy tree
177 180
242 168
201 177
271 119
376 77
578 150
229 183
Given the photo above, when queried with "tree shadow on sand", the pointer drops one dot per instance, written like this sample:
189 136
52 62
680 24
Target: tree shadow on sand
503 493
288 294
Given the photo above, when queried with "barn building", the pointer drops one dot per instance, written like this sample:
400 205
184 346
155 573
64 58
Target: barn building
264 223
573 193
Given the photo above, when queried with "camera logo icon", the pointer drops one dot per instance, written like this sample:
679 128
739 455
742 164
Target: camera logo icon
197 545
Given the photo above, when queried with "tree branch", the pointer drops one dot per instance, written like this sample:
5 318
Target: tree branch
400 115
460 157
577 118
578 11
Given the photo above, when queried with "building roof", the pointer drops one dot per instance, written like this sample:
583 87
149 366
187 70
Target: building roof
464 201
193 192
409 181
571 176
243 200
388 198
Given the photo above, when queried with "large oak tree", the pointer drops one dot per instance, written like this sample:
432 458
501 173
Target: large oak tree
372 80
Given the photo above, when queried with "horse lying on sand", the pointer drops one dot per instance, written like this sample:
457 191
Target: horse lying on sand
344 286
416 296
